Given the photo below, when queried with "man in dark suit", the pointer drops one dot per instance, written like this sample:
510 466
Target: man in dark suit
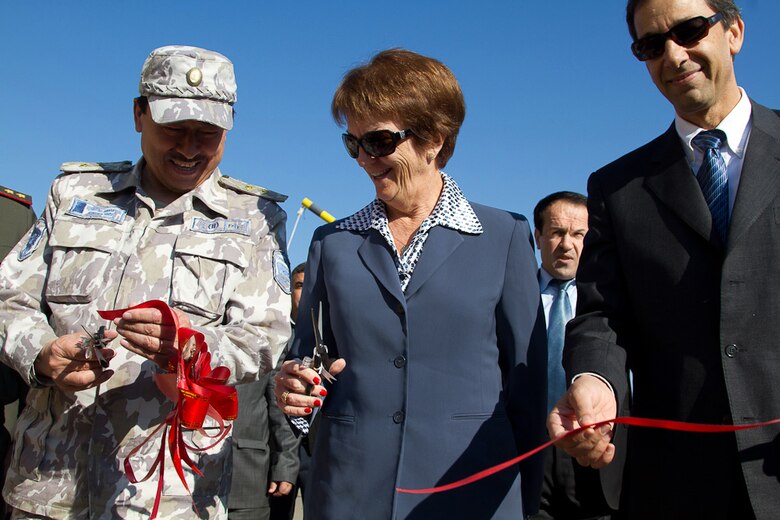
569 491
678 283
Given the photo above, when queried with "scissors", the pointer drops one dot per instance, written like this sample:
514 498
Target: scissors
320 360
93 343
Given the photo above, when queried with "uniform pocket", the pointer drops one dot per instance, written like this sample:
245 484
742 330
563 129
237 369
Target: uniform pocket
35 423
206 270
80 255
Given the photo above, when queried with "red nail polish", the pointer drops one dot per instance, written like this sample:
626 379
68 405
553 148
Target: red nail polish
317 403
307 410
316 380
323 392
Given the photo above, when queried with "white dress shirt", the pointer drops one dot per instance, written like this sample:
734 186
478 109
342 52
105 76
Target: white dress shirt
736 126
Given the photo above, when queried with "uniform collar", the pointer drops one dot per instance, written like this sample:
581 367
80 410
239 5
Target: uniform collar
210 193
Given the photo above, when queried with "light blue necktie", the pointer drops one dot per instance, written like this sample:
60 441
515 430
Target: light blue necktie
713 180
560 314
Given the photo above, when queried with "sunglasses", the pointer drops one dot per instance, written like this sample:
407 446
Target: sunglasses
684 33
378 143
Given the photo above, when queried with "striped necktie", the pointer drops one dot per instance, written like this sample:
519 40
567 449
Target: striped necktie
713 180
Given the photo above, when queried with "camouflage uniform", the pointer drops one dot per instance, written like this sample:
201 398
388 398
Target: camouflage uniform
100 244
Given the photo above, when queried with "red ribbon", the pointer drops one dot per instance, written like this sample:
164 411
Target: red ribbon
629 421
198 391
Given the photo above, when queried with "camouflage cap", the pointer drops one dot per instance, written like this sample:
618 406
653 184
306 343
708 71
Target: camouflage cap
188 83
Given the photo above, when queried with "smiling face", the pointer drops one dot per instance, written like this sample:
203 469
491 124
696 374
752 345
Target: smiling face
399 178
560 239
697 79
179 156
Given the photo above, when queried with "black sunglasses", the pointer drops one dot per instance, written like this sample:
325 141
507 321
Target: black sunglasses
684 33
378 143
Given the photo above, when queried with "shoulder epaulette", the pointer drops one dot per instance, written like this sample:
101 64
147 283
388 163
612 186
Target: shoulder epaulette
96 167
16 195
259 191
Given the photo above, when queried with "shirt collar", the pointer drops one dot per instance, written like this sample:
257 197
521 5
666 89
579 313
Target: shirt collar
735 126
452 211
545 279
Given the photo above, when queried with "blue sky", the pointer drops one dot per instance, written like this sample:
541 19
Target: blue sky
552 89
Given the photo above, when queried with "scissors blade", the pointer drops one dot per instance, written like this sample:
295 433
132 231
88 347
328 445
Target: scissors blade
316 323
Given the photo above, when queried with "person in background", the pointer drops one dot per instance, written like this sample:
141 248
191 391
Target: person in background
431 303
113 235
283 506
17 216
569 491
678 283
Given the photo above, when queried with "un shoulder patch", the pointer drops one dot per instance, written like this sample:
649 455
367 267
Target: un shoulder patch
36 235
243 187
282 271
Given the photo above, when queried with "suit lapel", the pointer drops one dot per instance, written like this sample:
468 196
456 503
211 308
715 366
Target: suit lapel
675 185
375 253
760 177
439 246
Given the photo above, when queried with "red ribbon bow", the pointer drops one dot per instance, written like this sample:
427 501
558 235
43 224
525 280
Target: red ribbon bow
198 391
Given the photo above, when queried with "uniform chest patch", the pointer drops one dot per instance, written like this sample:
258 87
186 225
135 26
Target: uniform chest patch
88 210
282 271
221 225
34 241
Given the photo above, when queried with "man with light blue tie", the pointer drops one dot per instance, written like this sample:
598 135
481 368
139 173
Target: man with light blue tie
561 221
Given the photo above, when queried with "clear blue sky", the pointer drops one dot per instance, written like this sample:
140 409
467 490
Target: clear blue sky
552 89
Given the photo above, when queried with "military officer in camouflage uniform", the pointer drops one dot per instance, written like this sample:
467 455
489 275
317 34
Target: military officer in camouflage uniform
113 235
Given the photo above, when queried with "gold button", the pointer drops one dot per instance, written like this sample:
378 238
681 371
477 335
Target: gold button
194 76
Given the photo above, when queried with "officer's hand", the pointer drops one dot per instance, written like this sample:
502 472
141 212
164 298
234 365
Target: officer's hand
143 332
589 400
67 366
279 489
291 382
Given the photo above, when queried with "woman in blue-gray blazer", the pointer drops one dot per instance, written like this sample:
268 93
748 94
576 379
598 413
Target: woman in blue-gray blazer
431 304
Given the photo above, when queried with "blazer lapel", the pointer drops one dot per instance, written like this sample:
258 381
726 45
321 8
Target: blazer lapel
760 177
439 246
375 253
676 187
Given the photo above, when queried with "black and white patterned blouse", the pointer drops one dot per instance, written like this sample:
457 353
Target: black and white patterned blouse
452 211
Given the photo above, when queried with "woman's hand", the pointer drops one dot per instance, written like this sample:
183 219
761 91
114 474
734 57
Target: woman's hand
298 389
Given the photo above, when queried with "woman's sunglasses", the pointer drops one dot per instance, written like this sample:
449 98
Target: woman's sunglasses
684 33
378 143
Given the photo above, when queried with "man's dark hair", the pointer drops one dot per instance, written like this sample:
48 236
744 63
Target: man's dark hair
143 104
728 8
298 269
571 197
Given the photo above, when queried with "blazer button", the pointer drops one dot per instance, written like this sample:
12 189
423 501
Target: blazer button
399 362
731 350
399 309
398 417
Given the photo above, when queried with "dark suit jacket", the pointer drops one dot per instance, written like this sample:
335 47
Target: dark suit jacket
696 320
264 445
441 381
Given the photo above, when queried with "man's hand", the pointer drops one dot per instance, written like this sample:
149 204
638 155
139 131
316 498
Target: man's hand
143 332
279 489
67 366
588 401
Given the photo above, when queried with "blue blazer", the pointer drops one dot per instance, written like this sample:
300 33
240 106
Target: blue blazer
442 381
